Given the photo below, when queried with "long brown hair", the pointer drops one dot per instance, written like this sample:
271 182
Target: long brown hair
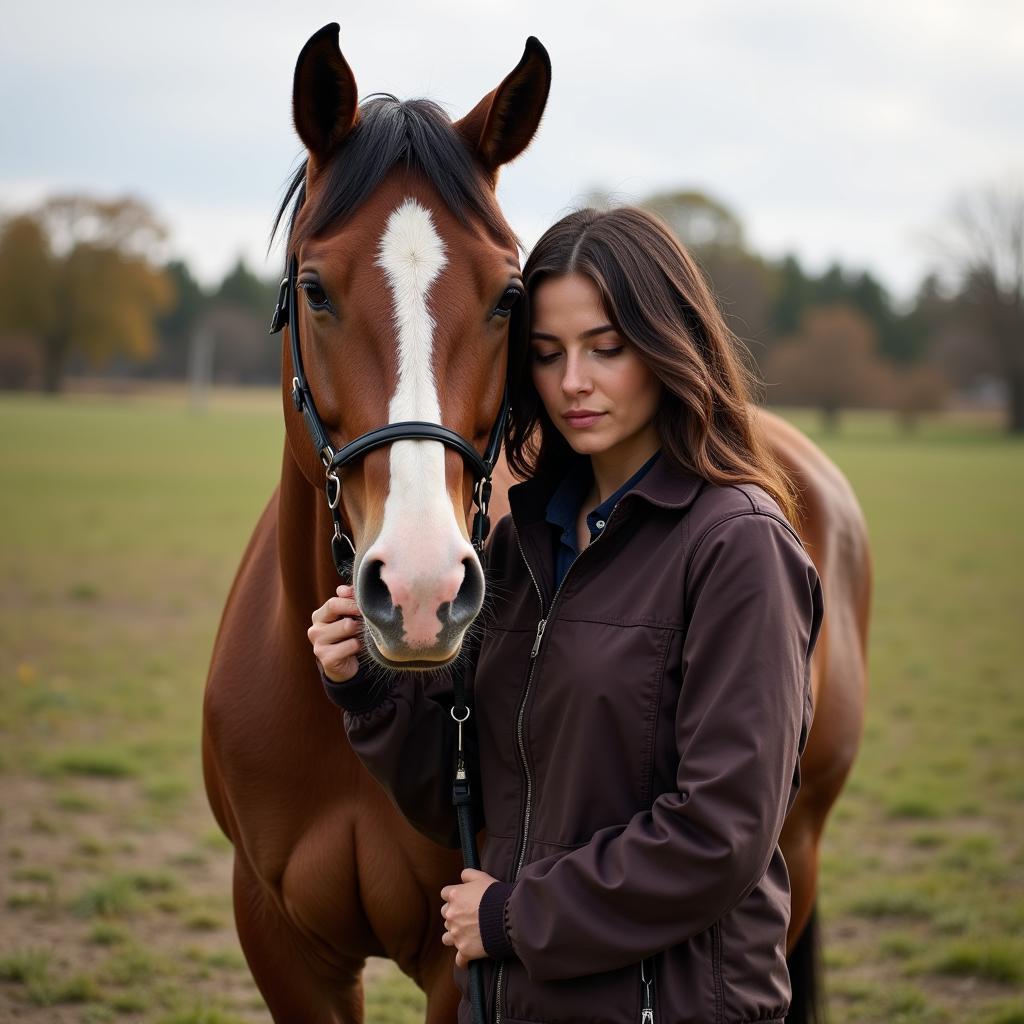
659 300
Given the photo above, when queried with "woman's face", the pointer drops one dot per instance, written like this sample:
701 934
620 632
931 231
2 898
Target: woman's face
580 362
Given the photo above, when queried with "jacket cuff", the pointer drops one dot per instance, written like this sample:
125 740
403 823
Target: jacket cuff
358 694
493 915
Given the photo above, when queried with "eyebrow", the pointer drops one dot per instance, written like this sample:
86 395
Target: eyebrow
540 335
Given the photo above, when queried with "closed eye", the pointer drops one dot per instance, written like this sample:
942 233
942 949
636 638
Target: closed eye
605 353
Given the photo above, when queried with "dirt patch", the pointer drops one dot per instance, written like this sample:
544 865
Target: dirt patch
89 891
143 912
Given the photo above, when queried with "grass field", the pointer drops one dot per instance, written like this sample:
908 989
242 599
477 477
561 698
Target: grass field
123 522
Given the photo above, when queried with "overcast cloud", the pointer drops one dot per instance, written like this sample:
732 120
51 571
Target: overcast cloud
838 131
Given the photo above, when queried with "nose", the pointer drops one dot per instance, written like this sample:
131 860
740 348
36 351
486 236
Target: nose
576 378
417 609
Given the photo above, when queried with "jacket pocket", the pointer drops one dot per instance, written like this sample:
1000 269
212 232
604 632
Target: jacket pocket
609 997
596 688
688 982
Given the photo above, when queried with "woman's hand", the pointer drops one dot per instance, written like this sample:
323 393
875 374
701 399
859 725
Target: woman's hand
461 913
337 625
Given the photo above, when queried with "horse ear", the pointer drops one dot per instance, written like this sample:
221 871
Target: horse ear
504 122
325 101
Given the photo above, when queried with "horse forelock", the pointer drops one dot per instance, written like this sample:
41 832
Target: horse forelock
416 134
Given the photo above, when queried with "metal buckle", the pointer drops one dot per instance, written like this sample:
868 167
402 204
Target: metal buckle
482 493
343 536
332 478
280 317
464 717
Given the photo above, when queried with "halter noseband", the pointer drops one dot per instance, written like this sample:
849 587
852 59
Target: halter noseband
285 313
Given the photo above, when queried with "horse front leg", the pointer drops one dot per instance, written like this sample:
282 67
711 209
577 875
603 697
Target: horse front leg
294 982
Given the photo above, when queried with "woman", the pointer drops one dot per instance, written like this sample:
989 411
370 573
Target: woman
642 687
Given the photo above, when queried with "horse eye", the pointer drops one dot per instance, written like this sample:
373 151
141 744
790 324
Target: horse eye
508 300
316 297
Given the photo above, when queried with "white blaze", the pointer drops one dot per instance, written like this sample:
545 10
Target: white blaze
412 255
419 535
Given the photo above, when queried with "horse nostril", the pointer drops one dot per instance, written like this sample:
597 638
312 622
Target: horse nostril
374 596
468 600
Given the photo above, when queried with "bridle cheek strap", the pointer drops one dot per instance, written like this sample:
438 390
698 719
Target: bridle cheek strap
286 314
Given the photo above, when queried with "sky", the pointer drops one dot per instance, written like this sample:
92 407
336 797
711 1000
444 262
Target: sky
835 131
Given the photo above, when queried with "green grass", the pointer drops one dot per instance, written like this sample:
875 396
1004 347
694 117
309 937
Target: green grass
201 1015
120 895
132 966
34 970
118 561
925 846
1003 963
105 934
102 764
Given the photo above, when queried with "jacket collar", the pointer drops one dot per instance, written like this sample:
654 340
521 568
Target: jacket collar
664 485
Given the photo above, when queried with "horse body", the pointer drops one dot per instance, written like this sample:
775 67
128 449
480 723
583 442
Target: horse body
834 532
327 871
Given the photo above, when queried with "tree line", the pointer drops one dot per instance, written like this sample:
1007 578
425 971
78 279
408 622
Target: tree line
85 290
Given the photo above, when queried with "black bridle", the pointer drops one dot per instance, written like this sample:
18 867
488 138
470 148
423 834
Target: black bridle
286 313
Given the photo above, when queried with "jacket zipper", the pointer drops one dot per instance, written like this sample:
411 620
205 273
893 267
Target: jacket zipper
541 625
647 980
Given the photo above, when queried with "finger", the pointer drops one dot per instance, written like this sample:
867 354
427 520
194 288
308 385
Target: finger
468 874
335 632
460 960
344 604
334 608
334 656
341 660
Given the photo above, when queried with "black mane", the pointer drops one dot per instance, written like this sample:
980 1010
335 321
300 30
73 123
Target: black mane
418 132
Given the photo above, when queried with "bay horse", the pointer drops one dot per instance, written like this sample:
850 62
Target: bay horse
405 264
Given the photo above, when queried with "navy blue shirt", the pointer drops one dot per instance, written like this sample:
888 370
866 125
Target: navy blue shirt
564 506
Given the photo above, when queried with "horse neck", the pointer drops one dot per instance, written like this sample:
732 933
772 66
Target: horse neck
304 531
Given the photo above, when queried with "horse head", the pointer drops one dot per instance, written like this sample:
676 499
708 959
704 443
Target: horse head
404 272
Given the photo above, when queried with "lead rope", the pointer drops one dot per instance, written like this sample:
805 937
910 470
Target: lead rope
462 798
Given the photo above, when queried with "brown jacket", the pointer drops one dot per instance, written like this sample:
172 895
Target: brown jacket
638 737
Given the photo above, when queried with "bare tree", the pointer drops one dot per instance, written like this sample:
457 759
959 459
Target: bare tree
985 250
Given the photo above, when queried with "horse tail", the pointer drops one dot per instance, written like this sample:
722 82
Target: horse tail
805 974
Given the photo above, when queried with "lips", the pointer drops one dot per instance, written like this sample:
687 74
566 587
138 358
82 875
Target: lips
582 417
